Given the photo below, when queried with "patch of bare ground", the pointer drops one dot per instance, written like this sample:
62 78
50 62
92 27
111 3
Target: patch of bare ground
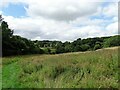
112 48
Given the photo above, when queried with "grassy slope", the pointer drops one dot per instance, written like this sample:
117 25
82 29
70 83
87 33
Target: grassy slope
95 69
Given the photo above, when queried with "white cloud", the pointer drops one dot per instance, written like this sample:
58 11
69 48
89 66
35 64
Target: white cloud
58 9
61 9
112 28
33 28
111 10
1 12
5 3
48 19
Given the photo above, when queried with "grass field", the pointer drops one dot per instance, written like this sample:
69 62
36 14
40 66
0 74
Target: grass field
93 69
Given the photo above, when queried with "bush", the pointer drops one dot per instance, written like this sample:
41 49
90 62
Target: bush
84 47
97 46
112 41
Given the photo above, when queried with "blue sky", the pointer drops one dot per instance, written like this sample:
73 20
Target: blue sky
15 10
72 19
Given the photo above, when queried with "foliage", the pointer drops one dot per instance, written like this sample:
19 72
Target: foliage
17 45
84 47
112 41
97 46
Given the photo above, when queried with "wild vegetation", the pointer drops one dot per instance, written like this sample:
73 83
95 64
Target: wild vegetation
91 69
17 45
68 66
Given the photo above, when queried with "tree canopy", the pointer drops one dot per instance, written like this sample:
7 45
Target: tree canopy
17 45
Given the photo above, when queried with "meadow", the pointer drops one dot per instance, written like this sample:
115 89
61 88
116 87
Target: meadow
91 69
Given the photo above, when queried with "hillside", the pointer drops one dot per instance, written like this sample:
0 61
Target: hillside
91 69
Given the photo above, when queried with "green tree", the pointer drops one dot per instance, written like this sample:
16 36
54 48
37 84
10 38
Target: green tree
6 32
112 41
7 35
84 47
67 46
97 46
60 48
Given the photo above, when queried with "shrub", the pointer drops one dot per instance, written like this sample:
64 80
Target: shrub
112 41
84 47
97 46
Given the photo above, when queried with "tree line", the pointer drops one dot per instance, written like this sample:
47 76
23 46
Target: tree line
17 45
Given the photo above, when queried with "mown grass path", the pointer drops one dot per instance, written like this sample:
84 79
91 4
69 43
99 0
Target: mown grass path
10 74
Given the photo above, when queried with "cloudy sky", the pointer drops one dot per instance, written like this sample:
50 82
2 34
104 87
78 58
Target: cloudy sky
64 20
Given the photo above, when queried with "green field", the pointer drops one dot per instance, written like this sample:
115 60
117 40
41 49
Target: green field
91 69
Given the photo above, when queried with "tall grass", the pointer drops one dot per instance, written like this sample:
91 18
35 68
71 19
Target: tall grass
96 69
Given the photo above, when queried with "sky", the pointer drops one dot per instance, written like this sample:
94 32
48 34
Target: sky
64 20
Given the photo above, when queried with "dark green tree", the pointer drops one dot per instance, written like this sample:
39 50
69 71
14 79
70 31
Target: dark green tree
112 41
84 47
